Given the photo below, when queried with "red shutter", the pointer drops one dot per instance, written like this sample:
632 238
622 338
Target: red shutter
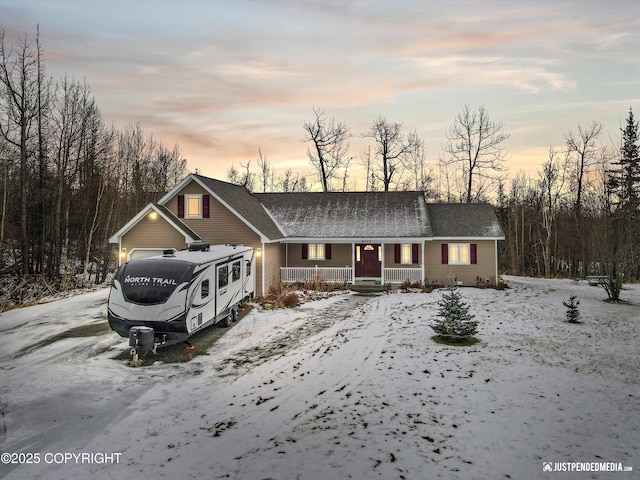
396 253
327 251
414 253
305 251
474 254
180 206
445 253
205 206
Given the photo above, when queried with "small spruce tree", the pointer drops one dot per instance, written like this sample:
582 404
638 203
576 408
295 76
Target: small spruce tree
573 314
455 324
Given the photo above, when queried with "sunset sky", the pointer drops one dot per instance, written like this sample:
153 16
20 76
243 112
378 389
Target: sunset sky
224 78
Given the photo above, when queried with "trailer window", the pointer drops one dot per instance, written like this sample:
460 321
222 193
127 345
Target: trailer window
248 268
204 288
235 272
151 282
223 276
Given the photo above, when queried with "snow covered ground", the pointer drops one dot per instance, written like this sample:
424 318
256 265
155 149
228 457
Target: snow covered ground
349 387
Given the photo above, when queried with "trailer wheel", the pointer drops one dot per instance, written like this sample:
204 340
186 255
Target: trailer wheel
225 322
233 316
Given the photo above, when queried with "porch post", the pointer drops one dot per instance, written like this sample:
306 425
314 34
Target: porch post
353 263
422 267
382 264
495 254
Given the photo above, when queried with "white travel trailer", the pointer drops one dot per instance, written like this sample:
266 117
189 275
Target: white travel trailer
180 292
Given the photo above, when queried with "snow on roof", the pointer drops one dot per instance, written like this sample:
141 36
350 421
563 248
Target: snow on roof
349 214
464 220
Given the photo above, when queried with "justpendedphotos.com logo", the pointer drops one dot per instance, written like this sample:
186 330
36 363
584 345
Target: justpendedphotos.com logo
585 467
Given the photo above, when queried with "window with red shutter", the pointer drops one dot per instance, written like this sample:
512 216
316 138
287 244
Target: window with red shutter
205 206
180 206
474 253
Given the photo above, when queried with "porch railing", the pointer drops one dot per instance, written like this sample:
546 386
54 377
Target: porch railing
400 275
328 274
345 274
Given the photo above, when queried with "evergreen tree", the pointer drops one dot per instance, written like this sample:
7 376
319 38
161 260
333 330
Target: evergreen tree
573 314
455 324
625 181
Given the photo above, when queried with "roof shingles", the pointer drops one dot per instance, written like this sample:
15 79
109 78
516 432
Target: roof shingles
348 214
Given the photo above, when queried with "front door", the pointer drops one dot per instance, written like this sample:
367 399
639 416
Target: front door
368 260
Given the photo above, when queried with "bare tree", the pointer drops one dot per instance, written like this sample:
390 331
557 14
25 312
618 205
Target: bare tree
475 145
329 152
421 177
21 75
266 171
245 178
291 182
551 181
392 148
583 149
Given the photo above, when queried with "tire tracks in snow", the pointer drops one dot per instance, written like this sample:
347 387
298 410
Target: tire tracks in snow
245 360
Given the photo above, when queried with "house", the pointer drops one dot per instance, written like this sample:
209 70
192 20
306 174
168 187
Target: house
350 237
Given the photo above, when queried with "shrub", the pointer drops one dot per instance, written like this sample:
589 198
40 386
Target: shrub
291 299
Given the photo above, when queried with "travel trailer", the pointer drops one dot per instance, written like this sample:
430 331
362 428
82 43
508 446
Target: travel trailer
163 300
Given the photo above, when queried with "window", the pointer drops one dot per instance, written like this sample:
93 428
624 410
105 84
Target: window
248 268
459 253
193 206
223 276
204 289
316 251
406 254
235 272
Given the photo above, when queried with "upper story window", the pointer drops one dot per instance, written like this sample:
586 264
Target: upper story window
193 205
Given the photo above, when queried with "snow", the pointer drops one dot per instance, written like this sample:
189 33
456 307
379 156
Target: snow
348 387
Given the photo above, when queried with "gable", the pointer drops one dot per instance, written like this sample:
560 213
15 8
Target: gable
166 221
221 226
234 198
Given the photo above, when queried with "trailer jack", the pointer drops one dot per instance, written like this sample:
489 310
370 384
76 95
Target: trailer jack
141 341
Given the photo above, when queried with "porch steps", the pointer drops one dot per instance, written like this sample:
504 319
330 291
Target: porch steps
368 288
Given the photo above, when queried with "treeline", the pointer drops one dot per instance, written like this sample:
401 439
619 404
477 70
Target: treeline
577 217
68 180
580 216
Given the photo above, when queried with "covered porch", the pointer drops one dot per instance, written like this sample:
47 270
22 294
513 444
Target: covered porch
374 262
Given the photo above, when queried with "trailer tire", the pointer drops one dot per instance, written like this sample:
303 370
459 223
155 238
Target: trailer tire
225 322
233 315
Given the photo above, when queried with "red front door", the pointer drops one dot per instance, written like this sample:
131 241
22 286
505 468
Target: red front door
368 261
